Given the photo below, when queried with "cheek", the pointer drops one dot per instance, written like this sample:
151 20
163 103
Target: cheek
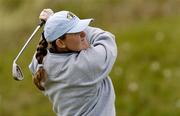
77 42
74 43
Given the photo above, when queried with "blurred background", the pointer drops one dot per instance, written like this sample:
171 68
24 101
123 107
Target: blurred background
146 74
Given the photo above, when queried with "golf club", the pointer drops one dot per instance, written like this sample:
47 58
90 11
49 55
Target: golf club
16 70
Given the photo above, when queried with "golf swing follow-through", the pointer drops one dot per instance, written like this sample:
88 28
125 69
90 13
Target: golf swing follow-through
16 70
71 65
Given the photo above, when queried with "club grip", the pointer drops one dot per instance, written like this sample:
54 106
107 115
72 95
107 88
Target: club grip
42 22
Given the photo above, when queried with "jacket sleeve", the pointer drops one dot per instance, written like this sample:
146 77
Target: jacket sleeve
101 56
33 65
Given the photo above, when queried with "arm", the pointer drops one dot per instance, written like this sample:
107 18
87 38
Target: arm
101 56
44 15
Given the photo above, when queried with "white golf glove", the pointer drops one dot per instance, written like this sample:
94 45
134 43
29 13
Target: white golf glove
45 14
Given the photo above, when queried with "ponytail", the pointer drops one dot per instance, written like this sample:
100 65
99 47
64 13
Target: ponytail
40 76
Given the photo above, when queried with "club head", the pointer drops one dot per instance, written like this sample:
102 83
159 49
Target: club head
16 72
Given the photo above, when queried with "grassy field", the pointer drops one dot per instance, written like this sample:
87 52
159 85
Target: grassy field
146 74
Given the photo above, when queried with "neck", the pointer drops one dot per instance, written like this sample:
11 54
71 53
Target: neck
64 50
60 50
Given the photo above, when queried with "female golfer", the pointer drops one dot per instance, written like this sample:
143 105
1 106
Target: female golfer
72 64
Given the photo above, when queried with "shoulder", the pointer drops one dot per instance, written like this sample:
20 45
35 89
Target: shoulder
95 31
90 29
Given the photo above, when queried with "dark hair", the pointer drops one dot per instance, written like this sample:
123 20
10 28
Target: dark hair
41 75
41 51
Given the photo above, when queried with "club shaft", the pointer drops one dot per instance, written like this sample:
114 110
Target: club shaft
25 45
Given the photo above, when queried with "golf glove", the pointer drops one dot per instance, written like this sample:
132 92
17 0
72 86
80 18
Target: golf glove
45 14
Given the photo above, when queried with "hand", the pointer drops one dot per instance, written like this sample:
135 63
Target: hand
45 14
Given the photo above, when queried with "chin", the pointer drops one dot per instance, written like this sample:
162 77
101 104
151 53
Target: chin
84 48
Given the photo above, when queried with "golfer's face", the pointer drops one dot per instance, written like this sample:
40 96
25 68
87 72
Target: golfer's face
76 41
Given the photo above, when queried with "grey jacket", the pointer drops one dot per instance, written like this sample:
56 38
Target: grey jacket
78 83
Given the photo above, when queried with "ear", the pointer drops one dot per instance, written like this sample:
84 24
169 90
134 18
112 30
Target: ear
82 34
60 43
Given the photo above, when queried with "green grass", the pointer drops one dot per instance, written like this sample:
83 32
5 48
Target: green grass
145 75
